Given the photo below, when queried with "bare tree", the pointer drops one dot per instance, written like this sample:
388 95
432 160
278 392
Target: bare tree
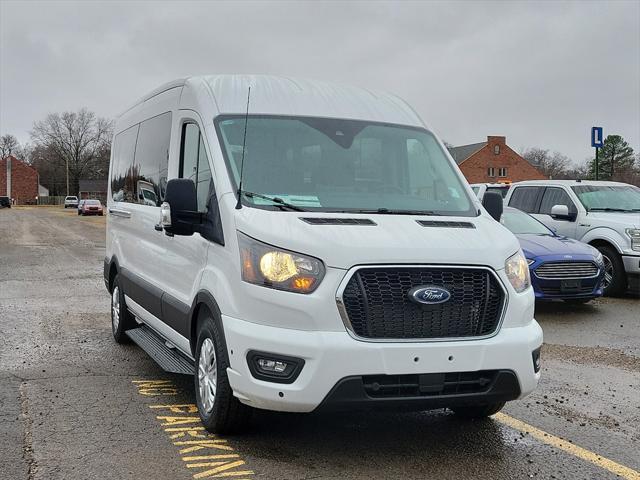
552 165
76 141
9 145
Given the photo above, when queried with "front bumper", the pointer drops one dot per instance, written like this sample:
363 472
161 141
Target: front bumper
331 357
631 264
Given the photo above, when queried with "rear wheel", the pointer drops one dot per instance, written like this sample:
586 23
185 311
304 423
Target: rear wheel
478 411
219 410
615 278
121 319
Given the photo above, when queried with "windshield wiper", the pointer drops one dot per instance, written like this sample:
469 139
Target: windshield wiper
276 200
392 211
609 209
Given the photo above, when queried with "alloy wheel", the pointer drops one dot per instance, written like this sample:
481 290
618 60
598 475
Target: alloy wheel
115 308
608 272
207 375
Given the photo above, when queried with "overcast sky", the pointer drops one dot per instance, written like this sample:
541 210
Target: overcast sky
540 73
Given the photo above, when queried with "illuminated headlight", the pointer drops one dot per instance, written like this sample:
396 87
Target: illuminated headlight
517 272
273 267
634 235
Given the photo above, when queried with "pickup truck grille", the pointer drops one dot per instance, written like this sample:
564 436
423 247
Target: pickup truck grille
564 270
377 304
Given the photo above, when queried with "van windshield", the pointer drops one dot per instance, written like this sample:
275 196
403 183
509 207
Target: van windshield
334 165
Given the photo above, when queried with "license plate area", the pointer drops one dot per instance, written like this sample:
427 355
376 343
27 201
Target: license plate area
570 286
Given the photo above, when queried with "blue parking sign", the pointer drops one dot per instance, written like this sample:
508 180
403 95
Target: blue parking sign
596 137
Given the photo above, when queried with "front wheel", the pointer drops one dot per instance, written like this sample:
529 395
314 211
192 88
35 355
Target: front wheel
478 411
121 319
615 278
219 410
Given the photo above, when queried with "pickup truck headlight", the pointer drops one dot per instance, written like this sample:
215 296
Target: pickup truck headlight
634 235
273 267
517 271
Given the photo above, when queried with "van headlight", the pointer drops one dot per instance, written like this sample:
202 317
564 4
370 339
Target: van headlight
517 271
274 267
634 235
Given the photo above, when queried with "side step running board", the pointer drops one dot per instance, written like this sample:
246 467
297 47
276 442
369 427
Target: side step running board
170 359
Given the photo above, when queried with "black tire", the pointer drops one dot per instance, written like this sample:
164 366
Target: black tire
125 319
227 415
478 411
618 283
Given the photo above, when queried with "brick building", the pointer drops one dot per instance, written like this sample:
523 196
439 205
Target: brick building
18 180
493 161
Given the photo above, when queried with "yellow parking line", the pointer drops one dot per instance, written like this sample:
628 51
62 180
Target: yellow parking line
582 453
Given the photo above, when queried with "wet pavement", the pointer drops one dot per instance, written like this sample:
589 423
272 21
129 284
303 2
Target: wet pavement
75 405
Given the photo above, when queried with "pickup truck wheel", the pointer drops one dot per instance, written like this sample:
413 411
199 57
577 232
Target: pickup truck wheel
219 410
478 411
121 319
615 278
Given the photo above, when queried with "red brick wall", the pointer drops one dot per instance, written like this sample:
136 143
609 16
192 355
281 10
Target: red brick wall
476 167
24 181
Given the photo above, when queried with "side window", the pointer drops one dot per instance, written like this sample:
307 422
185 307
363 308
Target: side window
555 196
194 163
152 158
123 171
525 199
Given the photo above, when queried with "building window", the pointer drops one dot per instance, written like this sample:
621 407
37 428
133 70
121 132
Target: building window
491 172
502 172
496 149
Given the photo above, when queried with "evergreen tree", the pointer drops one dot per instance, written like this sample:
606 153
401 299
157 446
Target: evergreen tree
615 159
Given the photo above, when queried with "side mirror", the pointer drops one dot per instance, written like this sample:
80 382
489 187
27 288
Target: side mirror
561 212
492 202
179 212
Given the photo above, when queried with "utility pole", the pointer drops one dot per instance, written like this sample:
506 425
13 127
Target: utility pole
68 174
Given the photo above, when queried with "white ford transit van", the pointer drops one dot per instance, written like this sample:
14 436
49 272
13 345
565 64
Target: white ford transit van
301 246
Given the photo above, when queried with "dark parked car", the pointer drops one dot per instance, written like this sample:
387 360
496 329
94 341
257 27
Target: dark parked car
91 207
5 202
561 268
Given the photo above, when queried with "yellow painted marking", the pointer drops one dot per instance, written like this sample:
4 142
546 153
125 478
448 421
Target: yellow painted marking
199 458
584 454
188 434
186 408
155 388
170 421
183 429
197 445
222 470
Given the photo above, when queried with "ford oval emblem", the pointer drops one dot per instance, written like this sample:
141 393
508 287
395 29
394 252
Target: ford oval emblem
429 295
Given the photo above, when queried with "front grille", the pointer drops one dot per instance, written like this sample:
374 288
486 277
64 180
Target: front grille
428 385
582 290
560 270
376 301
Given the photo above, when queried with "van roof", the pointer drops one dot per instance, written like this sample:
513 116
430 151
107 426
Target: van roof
288 96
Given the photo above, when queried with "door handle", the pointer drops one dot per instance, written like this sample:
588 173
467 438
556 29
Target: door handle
116 212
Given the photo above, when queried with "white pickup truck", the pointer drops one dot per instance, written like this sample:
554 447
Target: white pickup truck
70 201
603 214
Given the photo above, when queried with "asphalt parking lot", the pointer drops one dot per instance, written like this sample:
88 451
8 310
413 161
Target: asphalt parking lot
75 405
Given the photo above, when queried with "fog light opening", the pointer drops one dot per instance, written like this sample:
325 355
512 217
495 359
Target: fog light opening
537 363
273 367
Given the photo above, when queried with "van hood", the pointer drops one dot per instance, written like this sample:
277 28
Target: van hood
393 238
615 220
